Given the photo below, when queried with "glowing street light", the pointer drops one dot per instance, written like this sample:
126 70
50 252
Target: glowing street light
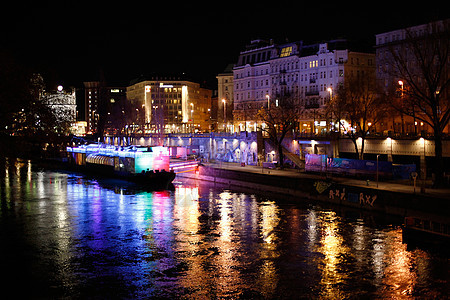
224 101
192 116
400 83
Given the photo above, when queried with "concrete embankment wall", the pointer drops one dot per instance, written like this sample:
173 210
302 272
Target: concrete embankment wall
395 203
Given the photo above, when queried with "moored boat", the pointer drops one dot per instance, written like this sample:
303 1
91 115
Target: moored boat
427 230
148 166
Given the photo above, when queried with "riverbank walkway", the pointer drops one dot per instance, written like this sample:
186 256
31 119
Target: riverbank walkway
405 187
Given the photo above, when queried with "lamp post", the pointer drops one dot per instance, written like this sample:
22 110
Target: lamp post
400 83
378 155
224 101
330 90
192 117
423 171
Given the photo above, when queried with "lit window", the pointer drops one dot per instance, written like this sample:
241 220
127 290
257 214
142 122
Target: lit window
286 51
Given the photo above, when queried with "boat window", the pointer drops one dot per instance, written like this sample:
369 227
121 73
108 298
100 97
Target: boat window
426 224
445 229
436 227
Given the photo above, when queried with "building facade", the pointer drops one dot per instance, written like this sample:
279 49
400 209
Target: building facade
308 73
171 104
100 100
225 99
400 41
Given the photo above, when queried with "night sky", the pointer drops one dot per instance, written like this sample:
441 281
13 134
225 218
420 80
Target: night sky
69 42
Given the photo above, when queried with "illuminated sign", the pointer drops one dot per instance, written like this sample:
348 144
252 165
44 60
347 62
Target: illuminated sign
147 88
162 85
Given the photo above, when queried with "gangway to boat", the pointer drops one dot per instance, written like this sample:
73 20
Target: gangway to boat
182 166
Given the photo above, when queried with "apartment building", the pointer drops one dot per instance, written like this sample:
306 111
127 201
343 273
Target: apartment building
310 73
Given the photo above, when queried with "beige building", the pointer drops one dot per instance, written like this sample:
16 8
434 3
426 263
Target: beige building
225 99
399 41
171 104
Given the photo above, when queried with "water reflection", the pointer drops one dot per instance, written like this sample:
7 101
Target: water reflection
334 255
71 236
400 276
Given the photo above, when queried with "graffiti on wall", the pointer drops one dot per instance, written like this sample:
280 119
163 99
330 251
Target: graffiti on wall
337 194
363 198
321 186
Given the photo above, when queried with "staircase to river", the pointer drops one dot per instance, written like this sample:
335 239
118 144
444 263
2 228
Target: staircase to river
294 158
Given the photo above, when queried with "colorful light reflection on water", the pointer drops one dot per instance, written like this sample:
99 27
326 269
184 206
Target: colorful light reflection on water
65 235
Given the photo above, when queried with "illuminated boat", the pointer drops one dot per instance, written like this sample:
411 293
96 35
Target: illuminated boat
148 166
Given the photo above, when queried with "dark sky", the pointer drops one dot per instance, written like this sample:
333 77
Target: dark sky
73 41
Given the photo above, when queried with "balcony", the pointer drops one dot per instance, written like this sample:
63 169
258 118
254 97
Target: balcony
312 93
312 105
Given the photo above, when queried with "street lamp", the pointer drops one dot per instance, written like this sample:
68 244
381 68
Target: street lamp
192 116
400 83
423 167
330 90
378 155
224 114
268 101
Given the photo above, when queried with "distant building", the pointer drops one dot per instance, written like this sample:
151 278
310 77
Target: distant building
91 98
79 128
171 104
99 99
398 40
225 98
310 73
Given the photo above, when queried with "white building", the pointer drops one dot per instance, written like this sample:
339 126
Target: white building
309 73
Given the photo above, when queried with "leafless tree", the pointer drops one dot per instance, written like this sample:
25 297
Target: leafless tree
421 62
360 103
279 118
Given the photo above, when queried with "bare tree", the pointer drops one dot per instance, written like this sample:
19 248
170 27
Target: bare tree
279 118
421 62
360 103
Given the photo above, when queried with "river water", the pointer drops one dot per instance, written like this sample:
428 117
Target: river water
65 235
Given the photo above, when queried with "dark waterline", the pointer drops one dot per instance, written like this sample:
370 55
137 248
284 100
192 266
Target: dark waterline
65 235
